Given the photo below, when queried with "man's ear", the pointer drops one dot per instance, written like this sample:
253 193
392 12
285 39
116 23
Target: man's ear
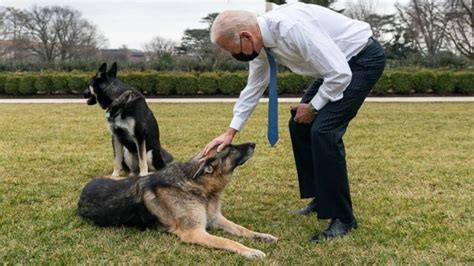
112 73
205 168
102 71
246 34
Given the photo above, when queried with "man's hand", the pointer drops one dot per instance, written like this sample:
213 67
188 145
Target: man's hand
304 113
223 141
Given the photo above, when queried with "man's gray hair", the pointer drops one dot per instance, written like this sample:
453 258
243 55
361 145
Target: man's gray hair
229 23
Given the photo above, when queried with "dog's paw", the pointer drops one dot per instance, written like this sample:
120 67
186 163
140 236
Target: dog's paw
115 174
265 237
253 254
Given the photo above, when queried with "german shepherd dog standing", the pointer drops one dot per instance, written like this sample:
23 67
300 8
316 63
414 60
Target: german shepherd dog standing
135 132
183 198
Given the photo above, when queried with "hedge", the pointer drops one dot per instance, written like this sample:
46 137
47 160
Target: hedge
3 79
186 84
165 84
231 83
26 85
423 81
44 83
12 84
444 84
208 83
60 84
383 85
464 82
398 81
144 82
77 83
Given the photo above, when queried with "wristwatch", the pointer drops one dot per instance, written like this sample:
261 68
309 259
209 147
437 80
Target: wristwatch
311 107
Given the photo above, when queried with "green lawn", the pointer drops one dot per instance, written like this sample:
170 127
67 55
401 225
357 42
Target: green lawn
411 172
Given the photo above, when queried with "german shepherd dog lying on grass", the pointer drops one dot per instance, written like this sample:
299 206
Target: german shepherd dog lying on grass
135 132
183 198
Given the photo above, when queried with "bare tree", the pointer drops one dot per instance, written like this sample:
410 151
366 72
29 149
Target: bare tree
361 10
40 24
76 37
427 22
13 34
366 10
61 33
460 28
159 47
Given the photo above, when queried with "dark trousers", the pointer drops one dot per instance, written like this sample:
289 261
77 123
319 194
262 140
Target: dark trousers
318 147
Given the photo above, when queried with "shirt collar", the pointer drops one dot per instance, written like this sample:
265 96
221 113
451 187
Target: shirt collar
267 36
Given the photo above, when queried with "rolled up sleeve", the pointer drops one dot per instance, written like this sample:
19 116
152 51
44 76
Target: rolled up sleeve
259 75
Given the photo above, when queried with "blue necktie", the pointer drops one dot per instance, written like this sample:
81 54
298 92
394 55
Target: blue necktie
272 100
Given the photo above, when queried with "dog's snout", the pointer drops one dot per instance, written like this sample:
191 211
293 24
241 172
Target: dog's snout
248 147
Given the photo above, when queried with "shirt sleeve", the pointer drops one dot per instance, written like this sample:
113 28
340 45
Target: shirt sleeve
316 47
258 79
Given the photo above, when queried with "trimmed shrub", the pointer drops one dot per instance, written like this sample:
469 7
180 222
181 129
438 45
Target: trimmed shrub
130 79
3 79
186 84
444 83
165 83
208 83
11 84
232 83
401 82
147 83
464 82
383 85
441 82
27 85
78 83
292 83
423 80
60 83
44 83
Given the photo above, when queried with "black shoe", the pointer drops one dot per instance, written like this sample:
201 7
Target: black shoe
335 229
308 209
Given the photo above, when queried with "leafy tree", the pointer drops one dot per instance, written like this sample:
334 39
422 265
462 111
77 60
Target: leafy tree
197 43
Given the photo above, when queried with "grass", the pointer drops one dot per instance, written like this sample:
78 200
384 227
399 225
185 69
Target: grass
411 172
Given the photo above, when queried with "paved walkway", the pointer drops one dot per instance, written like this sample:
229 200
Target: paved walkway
232 100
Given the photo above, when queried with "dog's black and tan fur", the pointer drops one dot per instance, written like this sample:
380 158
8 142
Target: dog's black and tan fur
135 132
184 198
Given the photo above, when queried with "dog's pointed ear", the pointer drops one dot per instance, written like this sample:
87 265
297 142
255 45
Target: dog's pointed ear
112 73
205 168
102 71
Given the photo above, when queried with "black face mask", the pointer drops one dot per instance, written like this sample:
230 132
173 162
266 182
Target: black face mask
245 57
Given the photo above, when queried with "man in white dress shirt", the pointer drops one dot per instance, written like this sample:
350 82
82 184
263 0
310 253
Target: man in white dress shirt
345 61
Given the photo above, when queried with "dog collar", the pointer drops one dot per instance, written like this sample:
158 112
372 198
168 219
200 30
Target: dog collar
109 116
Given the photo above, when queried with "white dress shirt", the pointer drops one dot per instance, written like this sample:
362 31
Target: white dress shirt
310 40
